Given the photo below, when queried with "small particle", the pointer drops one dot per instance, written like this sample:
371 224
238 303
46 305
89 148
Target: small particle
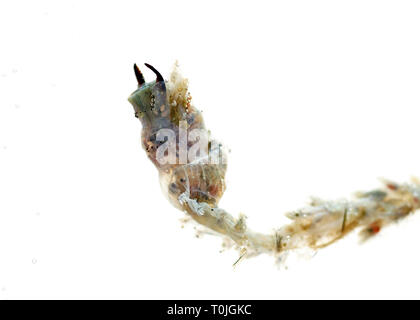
278 242
17 106
34 261
239 259
376 194
343 226
374 228
392 186
173 187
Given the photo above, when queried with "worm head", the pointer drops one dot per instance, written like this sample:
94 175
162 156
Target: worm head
150 100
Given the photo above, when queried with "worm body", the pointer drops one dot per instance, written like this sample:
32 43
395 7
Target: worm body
192 168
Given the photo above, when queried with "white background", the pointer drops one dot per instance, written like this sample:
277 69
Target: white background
313 98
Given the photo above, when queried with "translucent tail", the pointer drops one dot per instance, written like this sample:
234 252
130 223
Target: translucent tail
319 224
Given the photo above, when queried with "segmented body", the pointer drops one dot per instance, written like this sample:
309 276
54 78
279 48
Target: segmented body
196 187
